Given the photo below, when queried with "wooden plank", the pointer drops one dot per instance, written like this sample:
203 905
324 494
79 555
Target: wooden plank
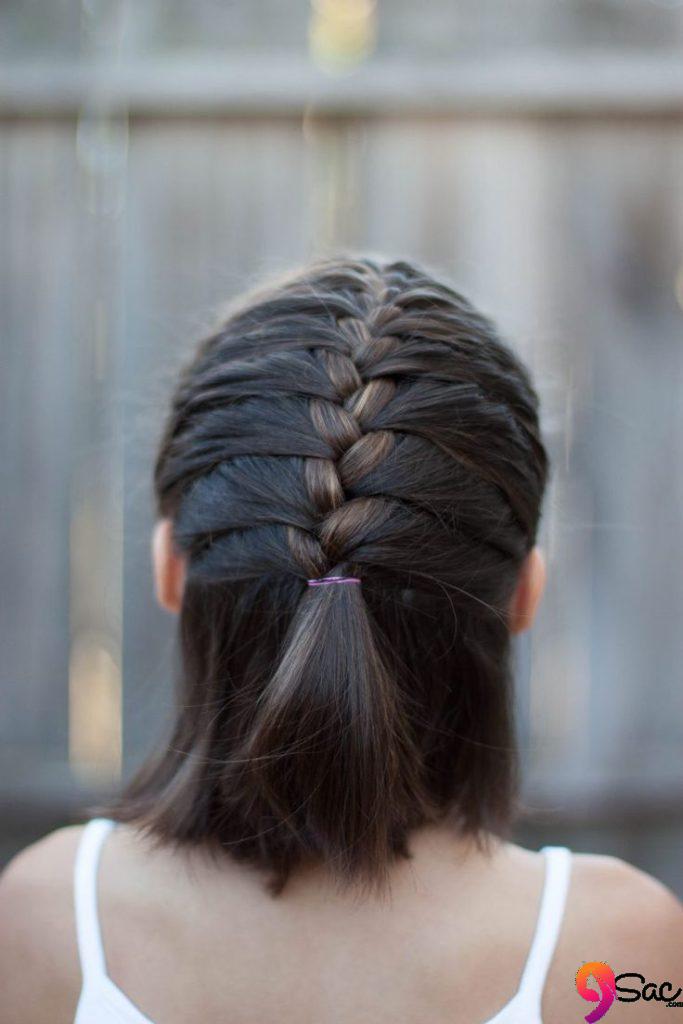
530 81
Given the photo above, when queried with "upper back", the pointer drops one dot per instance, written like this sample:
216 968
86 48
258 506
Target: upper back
183 937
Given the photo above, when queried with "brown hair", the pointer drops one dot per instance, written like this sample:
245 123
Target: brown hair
357 417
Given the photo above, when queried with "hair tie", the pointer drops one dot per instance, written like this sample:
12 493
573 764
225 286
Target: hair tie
324 580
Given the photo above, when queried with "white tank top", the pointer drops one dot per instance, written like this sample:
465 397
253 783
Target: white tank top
102 1002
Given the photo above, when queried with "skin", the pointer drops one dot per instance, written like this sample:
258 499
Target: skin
187 939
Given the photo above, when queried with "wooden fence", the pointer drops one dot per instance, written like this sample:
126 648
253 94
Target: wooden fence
137 199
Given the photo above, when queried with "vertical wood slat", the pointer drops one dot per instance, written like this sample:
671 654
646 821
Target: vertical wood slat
38 254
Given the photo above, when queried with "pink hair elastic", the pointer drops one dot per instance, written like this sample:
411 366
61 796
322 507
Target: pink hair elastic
324 580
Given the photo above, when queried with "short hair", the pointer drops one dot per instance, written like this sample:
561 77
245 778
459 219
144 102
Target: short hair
354 417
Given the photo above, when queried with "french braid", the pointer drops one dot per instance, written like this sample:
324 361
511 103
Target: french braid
356 417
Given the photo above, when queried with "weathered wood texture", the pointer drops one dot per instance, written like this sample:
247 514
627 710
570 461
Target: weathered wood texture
122 236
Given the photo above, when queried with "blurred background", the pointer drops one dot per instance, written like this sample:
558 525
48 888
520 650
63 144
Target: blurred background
157 158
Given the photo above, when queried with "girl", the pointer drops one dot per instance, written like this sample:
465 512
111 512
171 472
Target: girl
348 490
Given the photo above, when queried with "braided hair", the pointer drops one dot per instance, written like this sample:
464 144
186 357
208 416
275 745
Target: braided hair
355 417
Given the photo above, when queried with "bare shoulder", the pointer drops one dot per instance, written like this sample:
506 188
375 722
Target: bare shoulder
636 906
39 974
622 916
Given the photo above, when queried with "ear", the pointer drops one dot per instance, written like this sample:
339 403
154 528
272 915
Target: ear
169 567
530 586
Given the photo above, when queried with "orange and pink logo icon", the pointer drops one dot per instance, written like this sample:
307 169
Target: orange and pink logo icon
605 979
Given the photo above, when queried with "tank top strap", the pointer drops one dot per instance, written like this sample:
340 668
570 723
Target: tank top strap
90 948
551 912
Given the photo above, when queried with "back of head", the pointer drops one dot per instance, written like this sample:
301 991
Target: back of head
357 418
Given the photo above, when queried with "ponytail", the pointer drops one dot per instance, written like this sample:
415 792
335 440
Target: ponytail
330 751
